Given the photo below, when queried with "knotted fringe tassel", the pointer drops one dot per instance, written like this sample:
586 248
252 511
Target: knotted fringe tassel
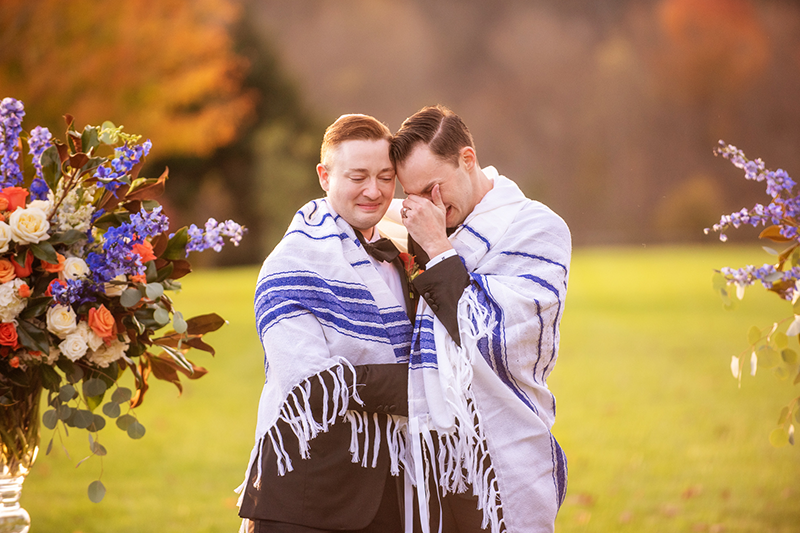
462 458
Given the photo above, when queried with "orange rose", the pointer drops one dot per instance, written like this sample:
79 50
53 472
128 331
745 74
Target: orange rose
8 334
54 267
14 362
102 322
4 202
24 271
16 197
144 251
139 278
7 270
24 291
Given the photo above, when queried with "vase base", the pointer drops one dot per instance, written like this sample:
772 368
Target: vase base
13 518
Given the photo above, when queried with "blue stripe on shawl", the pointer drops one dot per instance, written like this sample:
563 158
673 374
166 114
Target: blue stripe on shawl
496 351
341 236
552 289
349 308
483 239
423 346
537 257
560 470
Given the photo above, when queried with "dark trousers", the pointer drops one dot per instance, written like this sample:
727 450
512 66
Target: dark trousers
387 520
459 513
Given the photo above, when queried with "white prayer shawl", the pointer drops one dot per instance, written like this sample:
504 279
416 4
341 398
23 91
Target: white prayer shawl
321 306
487 402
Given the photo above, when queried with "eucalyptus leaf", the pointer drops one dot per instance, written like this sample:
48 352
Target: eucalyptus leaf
67 392
154 290
111 409
94 387
136 430
98 423
97 491
161 316
753 335
122 394
50 419
98 449
768 357
789 356
125 421
781 340
82 419
179 323
130 297
779 437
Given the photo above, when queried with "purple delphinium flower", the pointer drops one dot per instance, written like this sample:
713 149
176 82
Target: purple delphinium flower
125 158
211 236
38 142
11 113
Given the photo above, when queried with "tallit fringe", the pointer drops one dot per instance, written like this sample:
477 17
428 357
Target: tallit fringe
296 413
463 458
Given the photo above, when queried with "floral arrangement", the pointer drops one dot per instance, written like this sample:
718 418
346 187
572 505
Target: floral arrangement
86 264
410 266
768 346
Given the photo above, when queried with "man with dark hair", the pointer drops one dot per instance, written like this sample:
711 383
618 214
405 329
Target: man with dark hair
486 335
334 313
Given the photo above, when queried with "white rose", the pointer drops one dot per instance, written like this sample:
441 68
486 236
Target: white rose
92 339
5 237
115 289
109 353
73 346
29 225
74 268
61 320
44 205
11 304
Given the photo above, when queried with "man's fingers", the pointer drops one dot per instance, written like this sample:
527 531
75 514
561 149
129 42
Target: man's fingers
436 197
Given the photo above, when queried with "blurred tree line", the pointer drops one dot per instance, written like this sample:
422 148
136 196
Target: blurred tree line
195 78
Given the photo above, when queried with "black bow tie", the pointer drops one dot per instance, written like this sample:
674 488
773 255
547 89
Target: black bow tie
383 249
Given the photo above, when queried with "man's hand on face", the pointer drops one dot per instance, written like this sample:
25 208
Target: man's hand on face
425 221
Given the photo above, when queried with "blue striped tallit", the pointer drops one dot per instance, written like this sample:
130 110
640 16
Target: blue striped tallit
487 402
322 307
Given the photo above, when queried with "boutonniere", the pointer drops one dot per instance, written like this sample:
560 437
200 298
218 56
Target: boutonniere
410 266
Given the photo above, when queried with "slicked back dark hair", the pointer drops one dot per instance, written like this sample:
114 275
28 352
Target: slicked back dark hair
437 127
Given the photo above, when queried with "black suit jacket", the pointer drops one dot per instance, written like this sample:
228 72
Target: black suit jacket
328 490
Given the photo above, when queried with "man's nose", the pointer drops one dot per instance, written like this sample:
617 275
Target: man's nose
371 189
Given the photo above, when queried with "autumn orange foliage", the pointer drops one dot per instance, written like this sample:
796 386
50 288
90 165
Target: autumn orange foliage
712 46
162 68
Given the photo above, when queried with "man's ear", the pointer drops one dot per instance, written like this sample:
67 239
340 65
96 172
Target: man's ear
324 177
467 156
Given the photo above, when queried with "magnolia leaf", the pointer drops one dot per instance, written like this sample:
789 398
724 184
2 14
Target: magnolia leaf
77 161
201 324
774 276
150 272
111 409
68 237
51 380
161 316
176 247
179 323
754 335
94 387
89 139
136 430
121 395
794 327
50 419
179 359
773 233
147 189
154 290
125 421
44 251
51 167
33 337
36 307
779 437
97 491
130 297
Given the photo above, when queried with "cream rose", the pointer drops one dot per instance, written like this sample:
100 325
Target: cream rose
73 346
61 321
11 304
29 225
5 237
74 268
88 334
108 353
44 205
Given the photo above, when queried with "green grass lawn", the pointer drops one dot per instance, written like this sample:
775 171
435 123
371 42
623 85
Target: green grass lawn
657 433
